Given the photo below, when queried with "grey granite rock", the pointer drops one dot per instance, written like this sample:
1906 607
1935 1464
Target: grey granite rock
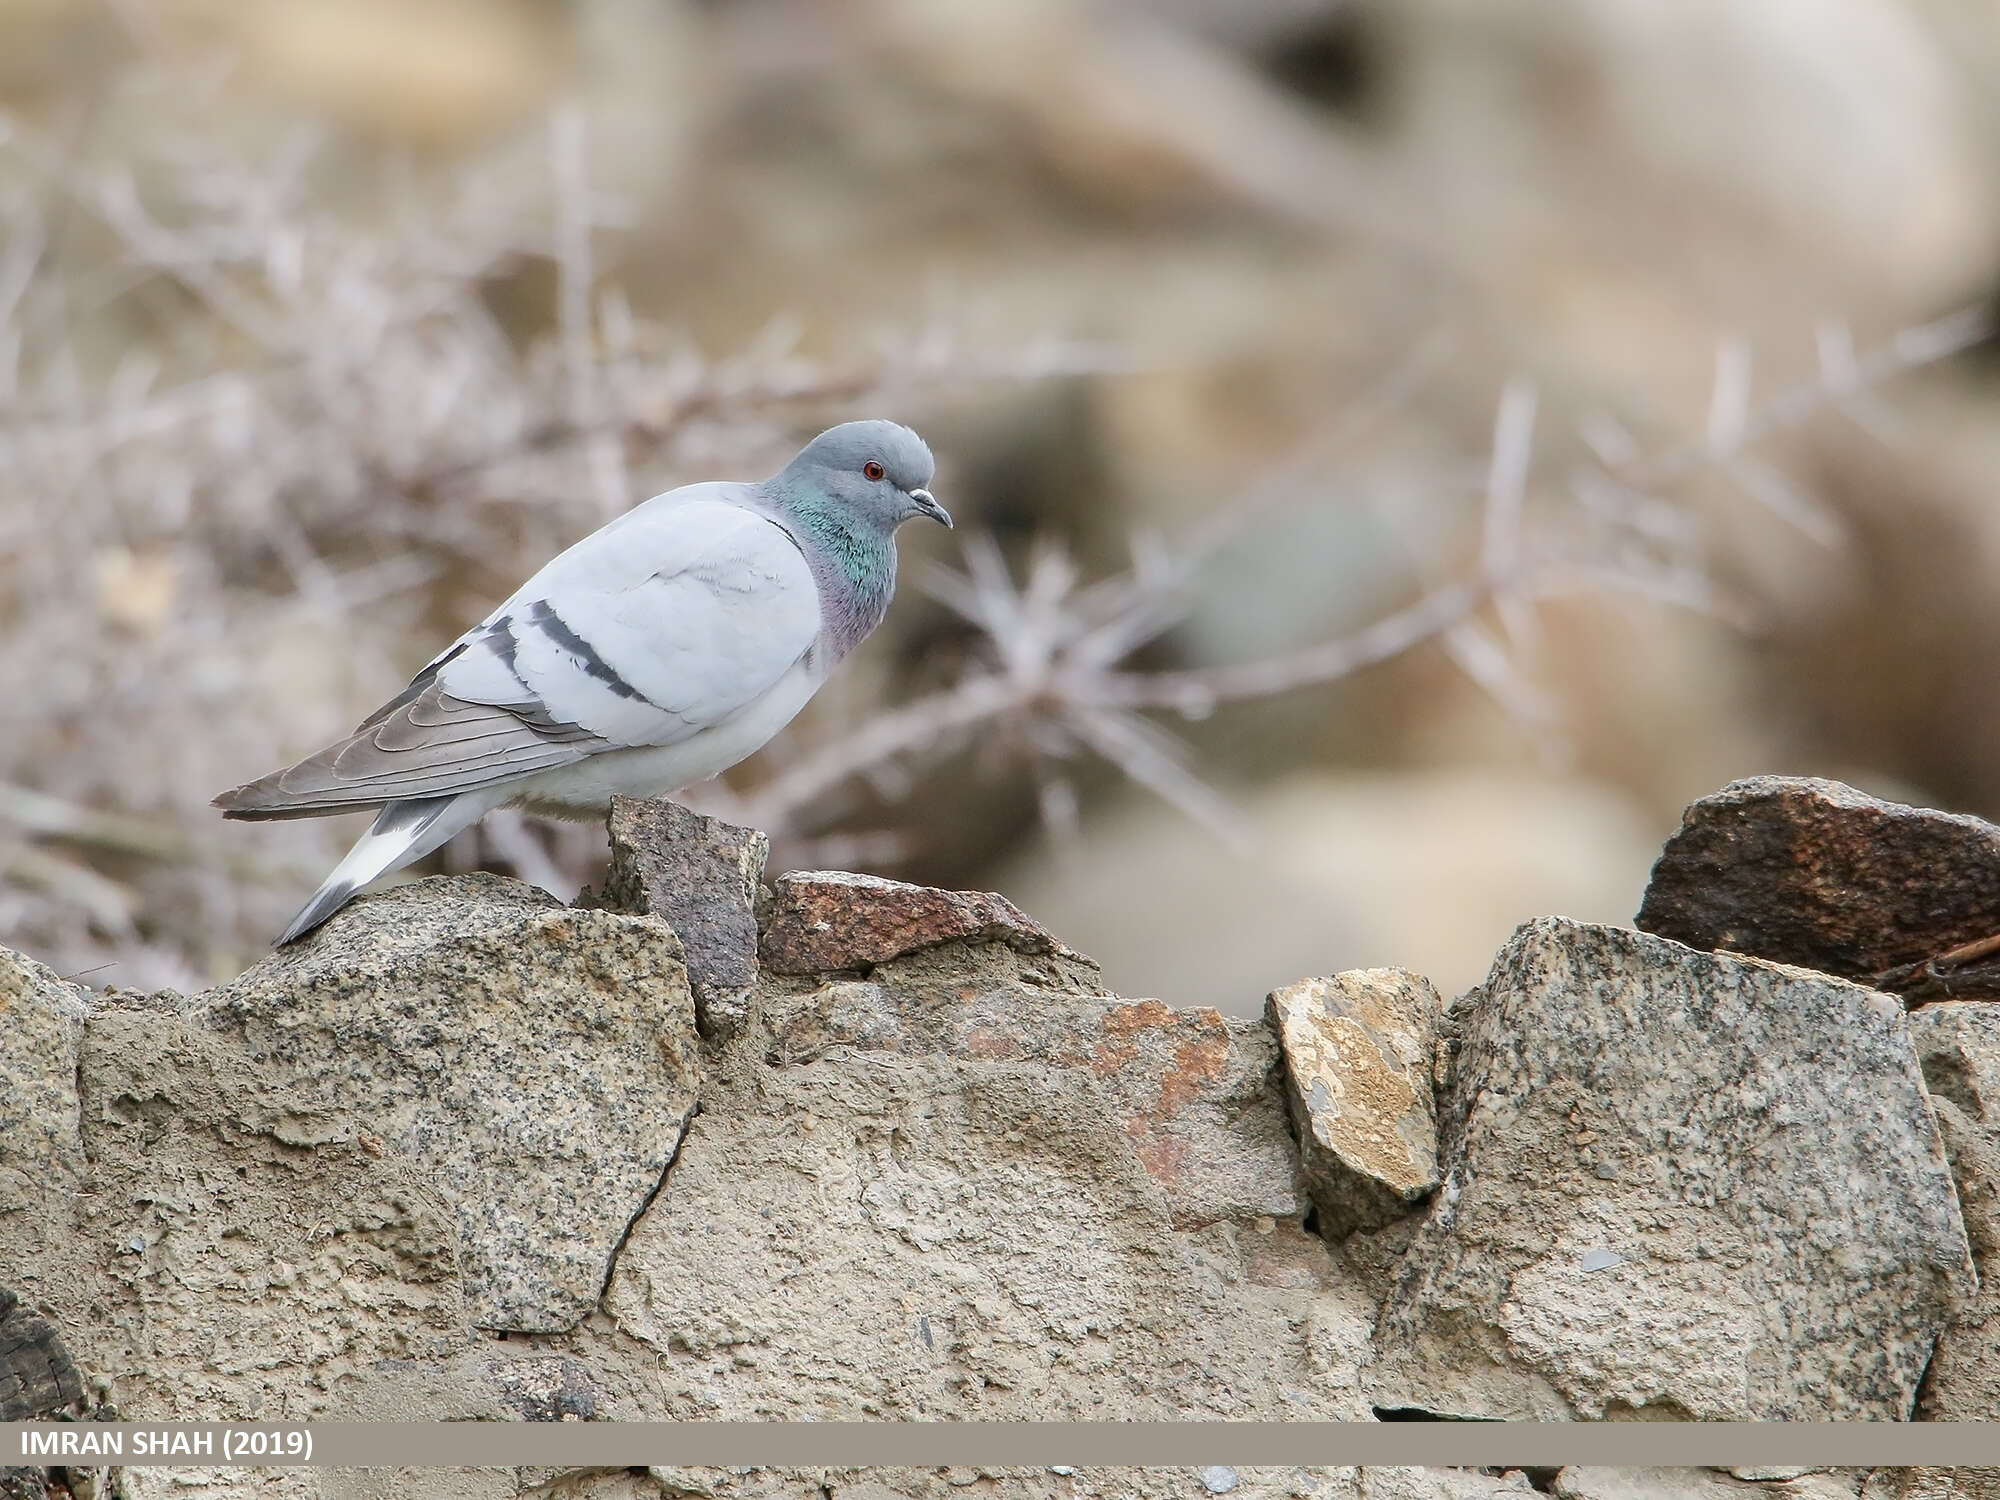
1359 1049
1958 1046
1752 1142
539 1062
700 874
41 1029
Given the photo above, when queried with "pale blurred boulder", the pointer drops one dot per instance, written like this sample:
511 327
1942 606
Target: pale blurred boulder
436 73
1836 139
1428 871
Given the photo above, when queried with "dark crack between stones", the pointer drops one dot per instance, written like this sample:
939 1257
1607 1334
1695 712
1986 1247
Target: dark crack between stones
1420 1414
625 1236
1921 1390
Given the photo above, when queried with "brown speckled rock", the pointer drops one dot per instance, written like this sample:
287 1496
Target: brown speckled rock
701 875
1814 873
1960 1482
1358 1057
538 1061
1684 1181
825 920
546 1389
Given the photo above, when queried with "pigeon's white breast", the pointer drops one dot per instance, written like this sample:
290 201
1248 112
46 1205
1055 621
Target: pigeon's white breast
585 790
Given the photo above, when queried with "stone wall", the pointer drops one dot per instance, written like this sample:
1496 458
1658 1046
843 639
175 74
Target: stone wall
842 1148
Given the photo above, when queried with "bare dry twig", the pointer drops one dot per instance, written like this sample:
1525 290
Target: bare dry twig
321 420
327 419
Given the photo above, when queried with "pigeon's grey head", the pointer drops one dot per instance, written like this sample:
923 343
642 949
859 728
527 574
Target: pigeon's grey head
876 470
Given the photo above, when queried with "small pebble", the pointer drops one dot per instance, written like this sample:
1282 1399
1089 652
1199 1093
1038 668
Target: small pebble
1218 1480
1601 1259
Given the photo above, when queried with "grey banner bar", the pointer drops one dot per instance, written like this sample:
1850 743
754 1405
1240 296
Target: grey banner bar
998 1444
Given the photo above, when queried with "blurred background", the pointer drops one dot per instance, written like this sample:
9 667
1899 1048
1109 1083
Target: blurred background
1420 445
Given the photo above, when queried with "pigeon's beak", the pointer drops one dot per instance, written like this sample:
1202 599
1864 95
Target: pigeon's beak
927 503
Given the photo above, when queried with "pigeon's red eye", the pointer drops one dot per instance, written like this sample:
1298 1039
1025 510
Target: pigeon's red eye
872 469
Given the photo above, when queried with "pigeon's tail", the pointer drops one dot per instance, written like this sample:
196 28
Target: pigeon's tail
402 832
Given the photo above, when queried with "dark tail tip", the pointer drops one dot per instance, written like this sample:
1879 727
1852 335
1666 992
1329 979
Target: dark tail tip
325 902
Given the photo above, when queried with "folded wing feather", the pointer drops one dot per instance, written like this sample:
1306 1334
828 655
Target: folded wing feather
664 624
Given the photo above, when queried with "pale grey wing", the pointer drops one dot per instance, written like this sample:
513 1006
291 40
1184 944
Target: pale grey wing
592 565
601 650
427 742
668 654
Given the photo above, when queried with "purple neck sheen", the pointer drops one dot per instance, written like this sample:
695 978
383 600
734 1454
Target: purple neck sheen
853 561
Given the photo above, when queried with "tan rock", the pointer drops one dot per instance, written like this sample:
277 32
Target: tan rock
1190 1088
1153 1482
223 1261
1358 1053
1968 1482
1585 1483
915 1237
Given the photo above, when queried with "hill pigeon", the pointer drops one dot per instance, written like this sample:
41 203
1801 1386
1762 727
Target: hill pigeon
658 651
